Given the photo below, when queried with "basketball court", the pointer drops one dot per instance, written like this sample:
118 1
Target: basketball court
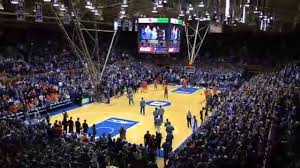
110 117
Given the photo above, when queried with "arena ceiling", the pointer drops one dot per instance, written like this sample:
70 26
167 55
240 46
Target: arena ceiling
286 13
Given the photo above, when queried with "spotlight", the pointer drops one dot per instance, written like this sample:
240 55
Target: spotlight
14 2
154 10
159 4
124 5
122 11
47 0
247 4
62 7
191 7
55 3
88 4
181 13
94 10
190 17
256 11
201 4
165 1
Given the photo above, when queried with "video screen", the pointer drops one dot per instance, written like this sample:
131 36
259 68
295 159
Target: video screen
174 43
153 38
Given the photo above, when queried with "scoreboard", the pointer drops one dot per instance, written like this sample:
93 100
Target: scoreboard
175 35
159 35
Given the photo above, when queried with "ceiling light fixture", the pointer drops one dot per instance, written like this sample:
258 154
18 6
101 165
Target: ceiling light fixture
55 3
122 11
181 13
154 10
88 4
247 4
201 4
256 11
261 15
208 17
191 7
14 2
62 7
124 5
159 4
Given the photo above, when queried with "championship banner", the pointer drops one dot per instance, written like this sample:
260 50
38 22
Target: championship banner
38 12
125 24
67 18
20 10
130 25
136 25
119 22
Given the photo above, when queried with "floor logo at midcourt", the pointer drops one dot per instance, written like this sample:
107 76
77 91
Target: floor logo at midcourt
158 103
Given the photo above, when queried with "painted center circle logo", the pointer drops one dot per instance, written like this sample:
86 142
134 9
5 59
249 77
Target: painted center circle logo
158 103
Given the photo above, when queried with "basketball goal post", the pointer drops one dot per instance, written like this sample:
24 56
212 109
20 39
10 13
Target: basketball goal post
85 53
195 35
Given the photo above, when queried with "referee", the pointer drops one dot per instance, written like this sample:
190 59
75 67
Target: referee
142 104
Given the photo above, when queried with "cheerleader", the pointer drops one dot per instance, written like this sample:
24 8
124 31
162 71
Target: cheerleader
155 84
166 92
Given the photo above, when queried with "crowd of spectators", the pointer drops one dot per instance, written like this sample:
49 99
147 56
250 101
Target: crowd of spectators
23 90
131 73
53 74
239 134
220 75
41 145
